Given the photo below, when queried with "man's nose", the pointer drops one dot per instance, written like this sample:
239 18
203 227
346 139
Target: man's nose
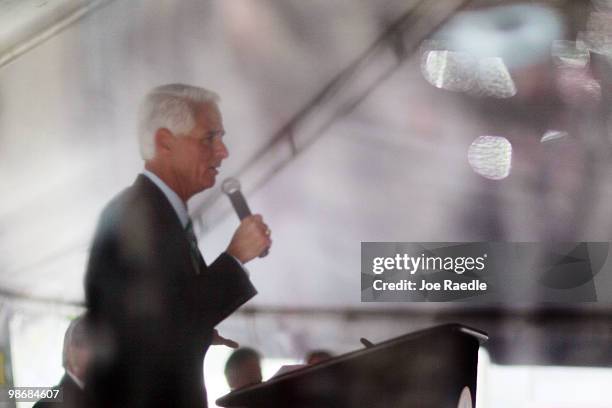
221 150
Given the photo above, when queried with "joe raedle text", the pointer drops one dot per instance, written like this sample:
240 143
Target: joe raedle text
446 285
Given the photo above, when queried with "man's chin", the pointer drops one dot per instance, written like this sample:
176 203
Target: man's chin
208 183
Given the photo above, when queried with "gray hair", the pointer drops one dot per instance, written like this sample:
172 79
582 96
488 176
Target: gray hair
76 336
172 107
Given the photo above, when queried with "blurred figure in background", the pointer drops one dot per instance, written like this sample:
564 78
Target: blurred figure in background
243 368
76 359
316 356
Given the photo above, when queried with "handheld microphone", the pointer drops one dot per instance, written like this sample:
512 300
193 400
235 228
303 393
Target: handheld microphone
231 187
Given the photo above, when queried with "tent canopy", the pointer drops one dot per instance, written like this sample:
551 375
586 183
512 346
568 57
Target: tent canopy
333 128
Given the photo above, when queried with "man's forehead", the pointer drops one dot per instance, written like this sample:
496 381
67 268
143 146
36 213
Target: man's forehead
208 109
208 114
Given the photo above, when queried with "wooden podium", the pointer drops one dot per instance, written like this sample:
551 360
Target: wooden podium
432 368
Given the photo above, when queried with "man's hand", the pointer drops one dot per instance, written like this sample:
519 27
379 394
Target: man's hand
250 240
218 340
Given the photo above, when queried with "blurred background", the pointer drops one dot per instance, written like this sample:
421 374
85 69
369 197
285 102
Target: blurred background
347 121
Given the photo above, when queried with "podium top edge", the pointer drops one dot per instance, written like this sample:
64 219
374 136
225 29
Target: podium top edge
479 335
455 328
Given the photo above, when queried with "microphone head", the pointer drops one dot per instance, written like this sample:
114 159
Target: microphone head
230 185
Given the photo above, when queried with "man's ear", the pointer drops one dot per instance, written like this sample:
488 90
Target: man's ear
163 141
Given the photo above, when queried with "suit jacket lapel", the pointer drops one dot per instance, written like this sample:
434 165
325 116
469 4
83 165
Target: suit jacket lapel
167 218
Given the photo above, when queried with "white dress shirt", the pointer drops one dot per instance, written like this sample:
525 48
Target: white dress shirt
179 205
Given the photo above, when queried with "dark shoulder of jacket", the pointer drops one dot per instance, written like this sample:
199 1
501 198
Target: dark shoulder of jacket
123 208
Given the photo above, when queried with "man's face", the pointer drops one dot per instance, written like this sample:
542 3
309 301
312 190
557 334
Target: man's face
197 156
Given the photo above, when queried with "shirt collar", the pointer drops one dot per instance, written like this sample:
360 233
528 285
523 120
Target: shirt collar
179 206
76 380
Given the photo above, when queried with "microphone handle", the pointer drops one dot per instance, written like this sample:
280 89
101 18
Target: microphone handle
240 205
242 209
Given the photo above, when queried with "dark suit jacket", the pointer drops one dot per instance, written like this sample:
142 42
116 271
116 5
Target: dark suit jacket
152 314
72 396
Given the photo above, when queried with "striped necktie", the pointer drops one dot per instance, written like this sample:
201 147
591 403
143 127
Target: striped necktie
196 255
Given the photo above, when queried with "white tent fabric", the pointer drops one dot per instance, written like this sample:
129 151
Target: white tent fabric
390 167
69 113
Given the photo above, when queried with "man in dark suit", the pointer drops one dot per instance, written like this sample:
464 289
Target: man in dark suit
75 359
153 300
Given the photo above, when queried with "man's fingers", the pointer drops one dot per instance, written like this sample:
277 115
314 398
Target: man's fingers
266 229
251 239
230 343
219 340
257 221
